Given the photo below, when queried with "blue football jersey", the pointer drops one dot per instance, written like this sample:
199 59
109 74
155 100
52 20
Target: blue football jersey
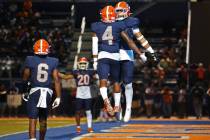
108 35
83 77
41 70
131 23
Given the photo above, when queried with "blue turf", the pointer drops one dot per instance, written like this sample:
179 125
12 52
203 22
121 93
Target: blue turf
68 132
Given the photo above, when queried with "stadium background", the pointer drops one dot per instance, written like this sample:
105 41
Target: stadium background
163 22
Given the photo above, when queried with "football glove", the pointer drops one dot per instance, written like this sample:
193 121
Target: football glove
152 58
25 89
56 102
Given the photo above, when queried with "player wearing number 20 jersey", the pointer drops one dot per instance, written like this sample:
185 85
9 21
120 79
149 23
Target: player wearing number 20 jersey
83 78
82 75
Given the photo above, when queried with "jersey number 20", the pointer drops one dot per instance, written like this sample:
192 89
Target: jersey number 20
42 74
83 80
107 35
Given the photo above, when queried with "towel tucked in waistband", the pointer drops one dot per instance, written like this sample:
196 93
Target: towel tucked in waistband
42 103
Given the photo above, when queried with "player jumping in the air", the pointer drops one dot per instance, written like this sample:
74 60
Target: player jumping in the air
39 71
122 10
105 43
83 76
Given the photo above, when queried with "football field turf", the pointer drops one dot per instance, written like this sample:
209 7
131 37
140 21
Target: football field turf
146 129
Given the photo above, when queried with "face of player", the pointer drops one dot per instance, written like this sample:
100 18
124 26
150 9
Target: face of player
121 14
83 65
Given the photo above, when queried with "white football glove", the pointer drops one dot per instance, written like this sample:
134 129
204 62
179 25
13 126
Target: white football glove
143 57
56 102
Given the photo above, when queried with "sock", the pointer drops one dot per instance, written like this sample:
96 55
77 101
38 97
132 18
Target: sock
117 99
103 91
89 118
78 126
128 95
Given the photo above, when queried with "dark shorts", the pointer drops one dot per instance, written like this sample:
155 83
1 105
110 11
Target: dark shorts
83 104
36 112
127 68
108 67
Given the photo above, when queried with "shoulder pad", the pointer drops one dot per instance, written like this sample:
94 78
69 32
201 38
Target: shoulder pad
132 22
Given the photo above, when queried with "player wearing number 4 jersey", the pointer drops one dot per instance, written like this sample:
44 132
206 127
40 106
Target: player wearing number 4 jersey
105 43
82 75
39 71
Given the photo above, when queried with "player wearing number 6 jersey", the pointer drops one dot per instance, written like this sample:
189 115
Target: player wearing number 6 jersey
105 49
39 71
82 75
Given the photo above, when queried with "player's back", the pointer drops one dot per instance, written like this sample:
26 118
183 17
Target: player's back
108 35
41 68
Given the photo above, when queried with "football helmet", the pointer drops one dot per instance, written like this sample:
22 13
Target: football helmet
41 47
83 63
122 10
108 14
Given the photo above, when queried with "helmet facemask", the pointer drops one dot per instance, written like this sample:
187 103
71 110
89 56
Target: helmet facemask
83 65
121 13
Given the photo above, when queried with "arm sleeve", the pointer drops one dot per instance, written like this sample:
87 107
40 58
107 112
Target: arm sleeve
95 45
93 27
28 62
56 62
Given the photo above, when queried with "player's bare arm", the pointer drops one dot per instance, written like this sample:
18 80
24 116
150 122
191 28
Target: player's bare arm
130 43
26 74
65 76
57 88
142 40
144 43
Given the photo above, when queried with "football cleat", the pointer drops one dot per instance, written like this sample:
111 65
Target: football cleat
118 115
78 130
41 47
127 115
108 107
117 109
83 63
122 10
90 130
108 14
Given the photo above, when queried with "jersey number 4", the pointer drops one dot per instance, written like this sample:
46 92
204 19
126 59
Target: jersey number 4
42 74
107 35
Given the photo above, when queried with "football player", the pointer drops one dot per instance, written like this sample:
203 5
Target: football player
83 76
39 71
122 10
105 48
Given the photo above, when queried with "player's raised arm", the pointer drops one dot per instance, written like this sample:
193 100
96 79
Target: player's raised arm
95 50
132 45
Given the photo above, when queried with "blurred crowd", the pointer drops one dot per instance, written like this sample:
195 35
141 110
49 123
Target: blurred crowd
20 27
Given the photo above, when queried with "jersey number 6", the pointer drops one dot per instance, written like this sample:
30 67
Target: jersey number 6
42 74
